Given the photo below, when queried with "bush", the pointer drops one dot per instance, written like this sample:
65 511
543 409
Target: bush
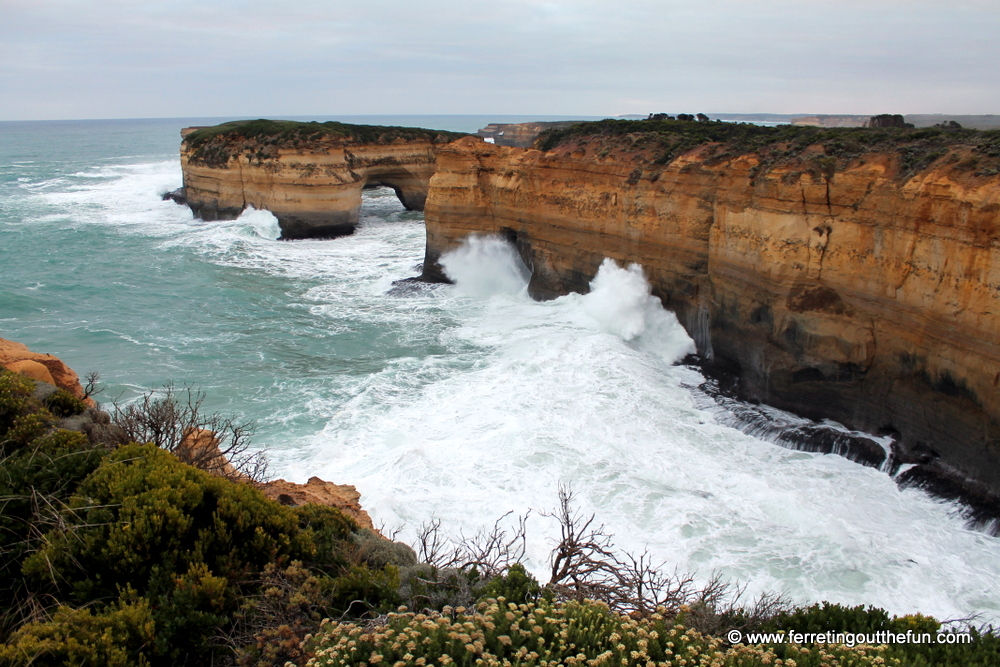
15 399
982 651
377 551
330 532
61 403
174 420
516 585
176 535
830 617
270 627
116 638
498 633
365 592
430 588
35 482
41 469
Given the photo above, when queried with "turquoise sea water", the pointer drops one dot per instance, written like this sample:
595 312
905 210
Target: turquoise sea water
453 402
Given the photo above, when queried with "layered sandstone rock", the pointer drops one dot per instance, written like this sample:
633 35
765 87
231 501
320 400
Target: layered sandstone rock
311 182
849 290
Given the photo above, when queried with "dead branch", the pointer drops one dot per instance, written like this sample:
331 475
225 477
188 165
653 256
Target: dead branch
174 420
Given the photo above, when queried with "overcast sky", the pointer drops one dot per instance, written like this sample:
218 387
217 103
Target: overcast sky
62 59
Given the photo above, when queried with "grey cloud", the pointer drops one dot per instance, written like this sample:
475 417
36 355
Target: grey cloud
107 58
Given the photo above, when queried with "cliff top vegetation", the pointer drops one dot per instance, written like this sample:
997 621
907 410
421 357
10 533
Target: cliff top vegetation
216 144
664 140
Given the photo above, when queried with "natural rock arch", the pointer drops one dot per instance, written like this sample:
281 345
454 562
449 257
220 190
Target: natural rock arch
312 181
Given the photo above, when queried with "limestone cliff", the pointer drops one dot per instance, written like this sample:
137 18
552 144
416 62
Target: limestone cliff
851 276
310 175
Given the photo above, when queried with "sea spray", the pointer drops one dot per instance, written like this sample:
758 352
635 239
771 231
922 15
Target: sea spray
484 266
621 302
263 223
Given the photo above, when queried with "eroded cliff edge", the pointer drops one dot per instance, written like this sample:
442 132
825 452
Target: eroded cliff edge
310 175
852 275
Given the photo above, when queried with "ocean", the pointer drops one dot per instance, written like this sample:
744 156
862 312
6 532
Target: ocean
457 403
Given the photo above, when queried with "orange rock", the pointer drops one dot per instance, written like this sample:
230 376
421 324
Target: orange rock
200 447
13 356
342 496
32 369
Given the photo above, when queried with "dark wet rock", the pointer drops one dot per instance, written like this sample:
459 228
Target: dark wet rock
414 286
176 196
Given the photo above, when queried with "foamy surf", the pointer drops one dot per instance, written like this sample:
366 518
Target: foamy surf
580 390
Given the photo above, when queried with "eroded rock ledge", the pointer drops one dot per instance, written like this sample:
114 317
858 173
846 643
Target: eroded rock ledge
846 276
309 175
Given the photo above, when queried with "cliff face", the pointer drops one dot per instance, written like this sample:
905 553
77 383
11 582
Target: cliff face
311 180
849 290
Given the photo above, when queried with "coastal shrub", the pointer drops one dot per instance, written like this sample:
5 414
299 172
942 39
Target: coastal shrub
498 632
117 637
329 532
828 617
61 403
361 591
15 399
270 626
35 482
516 585
41 467
376 551
142 514
178 536
428 587
916 149
952 651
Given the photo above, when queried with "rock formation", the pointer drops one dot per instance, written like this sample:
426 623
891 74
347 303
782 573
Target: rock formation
309 175
860 284
342 496
42 367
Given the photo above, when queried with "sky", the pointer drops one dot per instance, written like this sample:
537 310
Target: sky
70 59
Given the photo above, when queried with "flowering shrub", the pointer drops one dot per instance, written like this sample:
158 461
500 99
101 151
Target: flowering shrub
500 633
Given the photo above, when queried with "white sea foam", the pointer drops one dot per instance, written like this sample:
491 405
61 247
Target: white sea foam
125 196
564 391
